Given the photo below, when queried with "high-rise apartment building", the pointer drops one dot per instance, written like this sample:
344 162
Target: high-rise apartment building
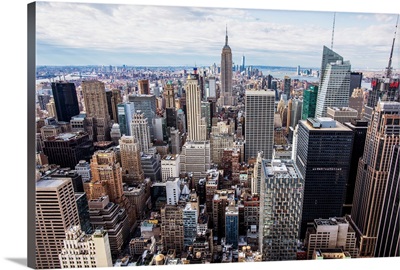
56 211
259 124
141 131
281 203
372 176
85 251
323 159
334 87
65 99
256 177
172 228
226 74
331 233
196 124
388 244
196 159
96 109
131 165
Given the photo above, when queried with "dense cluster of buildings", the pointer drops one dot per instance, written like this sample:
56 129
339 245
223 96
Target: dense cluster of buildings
217 165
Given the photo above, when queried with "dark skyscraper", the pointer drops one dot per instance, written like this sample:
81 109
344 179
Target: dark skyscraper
66 100
323 159
309 102
355 81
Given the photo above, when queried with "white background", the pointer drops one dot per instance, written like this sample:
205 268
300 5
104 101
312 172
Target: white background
13 64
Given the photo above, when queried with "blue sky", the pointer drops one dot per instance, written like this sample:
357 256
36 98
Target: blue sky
108 34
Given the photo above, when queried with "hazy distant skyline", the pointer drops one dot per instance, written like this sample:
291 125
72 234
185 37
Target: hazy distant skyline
135 35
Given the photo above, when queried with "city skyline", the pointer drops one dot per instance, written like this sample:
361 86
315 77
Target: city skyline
138 35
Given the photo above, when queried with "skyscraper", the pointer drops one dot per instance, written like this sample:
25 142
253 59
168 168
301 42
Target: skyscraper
147 105
56 212
143 86
323 160
125 115
281 203
372 176
196 125
96 108
232 224
328 56
172 230
334 86
286 86
226 74
65 99
259 124
389 228
130 160
141 131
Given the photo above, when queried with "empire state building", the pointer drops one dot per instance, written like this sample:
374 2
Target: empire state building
226 74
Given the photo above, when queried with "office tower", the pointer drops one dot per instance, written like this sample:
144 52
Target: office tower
56 211
65 100
51 108
196 159
220 200
83 169
131 164
356 101
331 233
383 89
125 115
96 109
173 190
226 74
190 217
232 224
113 99
78 123
172 230
359 129
251 205
256 178
328 56
143 86
141 131
334 87
181 121
196 125
169 95
170 166
286 86
67 173
298 71
212 87
373 171
151 166
243 66
281 203
112 218
43 100
388 244
219 142
160 129
206 114
147 105
175 143
309 102
115 134
50 131
295 114
83 211
342 115
85 251
355 81
259 124
323 160
230 164
67 149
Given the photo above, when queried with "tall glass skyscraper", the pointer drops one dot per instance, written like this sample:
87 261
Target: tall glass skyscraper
66 100
226 74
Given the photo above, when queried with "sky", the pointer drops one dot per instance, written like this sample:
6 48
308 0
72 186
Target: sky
148 35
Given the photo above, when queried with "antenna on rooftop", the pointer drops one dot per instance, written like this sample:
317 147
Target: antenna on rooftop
333 29
389 67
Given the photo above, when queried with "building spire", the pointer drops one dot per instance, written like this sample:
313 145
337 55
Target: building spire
226 35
